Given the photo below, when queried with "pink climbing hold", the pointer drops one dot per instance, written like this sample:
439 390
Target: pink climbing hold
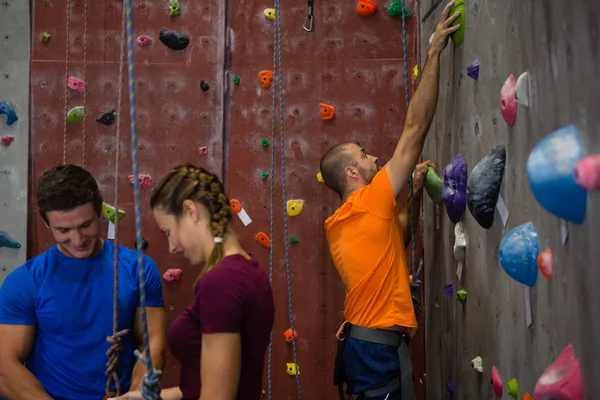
508 100
561 379
144 180
496 382
203 150
7 140
143 40
587 172
172 274
76 84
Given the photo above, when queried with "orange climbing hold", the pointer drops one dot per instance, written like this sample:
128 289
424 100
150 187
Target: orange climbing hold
288 335
265 77
366 7
545 263
327 111
236 206
527 396
263 239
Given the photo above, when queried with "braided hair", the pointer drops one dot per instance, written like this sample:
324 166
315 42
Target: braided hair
188 182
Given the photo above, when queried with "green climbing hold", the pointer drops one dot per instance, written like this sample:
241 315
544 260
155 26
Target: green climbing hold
109 212
264 174
45 37
75 115
397 8
236 80
459 35
434 185
173 8
264 142
461 296
294 239
513 388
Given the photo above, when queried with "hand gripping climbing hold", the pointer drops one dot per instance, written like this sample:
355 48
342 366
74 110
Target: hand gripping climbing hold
461 296
173 39
294 207
173 8
587 172
561 379
265 78
143 40
7 140
508 100
496 381
288 335
327 111
110 211
477 364
522 89
513 387
263 239
551 174
545 263
76 84
518 254
7 241
108 118
9 111
434 185
365 7
269 13
172 274
460 242
454 193
459 35
483 186
293 369
75 115
473 70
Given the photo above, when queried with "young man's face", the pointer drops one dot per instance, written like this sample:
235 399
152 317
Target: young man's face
77 231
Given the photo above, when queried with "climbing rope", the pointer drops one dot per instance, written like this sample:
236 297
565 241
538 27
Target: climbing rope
116 339
85 49
64 156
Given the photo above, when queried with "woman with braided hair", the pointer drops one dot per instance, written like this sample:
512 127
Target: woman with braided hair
222 336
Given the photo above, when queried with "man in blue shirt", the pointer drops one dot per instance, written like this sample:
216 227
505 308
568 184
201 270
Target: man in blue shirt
56 310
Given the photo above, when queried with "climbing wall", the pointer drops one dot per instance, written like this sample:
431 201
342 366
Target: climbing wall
351 62
14 128
557 44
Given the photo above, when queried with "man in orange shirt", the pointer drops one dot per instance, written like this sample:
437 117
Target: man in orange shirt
366 237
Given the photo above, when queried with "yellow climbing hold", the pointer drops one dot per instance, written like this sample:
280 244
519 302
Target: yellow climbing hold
320 177
293 369
294 207
109 212
269 13
416 71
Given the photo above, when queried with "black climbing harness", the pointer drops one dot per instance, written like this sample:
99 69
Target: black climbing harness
308 22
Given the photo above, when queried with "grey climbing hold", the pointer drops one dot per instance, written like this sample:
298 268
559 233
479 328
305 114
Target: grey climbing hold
483 187
522 89
173 39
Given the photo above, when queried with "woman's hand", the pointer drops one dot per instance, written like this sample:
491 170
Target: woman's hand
136 395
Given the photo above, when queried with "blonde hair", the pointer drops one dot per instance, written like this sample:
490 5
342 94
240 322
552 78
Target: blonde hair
188 182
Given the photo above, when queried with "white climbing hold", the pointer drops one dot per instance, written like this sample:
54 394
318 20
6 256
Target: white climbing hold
460 242
477 364
522 89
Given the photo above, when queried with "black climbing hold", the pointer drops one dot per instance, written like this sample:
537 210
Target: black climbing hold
144 243
483 186
204 86
108 118
173 39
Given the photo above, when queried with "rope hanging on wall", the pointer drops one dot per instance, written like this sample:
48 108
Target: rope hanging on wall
66 93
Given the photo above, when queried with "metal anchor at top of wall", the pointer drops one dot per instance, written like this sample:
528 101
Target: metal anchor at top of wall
308 22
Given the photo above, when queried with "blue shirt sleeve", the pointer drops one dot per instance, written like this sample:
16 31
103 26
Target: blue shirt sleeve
17 298
153 284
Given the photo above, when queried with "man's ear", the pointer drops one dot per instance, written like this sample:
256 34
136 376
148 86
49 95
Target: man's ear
351 172
190 209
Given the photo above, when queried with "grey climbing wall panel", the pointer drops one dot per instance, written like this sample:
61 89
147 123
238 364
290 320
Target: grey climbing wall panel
558 43
14 158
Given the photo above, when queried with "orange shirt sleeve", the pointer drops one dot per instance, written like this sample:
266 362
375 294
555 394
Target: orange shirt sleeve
378 196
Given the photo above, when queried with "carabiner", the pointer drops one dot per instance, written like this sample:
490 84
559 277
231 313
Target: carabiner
309 17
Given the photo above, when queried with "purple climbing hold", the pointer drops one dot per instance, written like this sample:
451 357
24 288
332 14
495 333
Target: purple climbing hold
483 186
454 193
451 387
7 241
449 289
473 70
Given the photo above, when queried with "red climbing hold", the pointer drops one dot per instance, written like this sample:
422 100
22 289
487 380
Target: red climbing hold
143 40
76 84
144 180
263 239
545 263
288 335
496 382
172 274
327 111
561 379
203 150
587 172
7 140
508 100
366 7
265 78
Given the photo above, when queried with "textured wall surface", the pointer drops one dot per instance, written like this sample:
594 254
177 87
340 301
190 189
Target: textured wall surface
14 167
557 43
353 63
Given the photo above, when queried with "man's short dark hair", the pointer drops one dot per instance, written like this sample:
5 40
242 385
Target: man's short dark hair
332 167
66 187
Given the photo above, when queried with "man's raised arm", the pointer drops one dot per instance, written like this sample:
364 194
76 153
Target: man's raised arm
422 107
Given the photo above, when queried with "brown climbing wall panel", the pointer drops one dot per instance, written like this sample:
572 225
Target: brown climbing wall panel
557 43
350 62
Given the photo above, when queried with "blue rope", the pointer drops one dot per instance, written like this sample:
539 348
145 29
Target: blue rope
150 384
279 81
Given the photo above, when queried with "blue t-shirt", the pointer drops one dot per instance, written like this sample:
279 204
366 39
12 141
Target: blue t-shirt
71 303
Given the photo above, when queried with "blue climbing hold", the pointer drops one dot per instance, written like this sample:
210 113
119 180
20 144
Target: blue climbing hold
11 115
551 174
519 252
7 241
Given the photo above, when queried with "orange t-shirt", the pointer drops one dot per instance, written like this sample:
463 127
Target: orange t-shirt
366 244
